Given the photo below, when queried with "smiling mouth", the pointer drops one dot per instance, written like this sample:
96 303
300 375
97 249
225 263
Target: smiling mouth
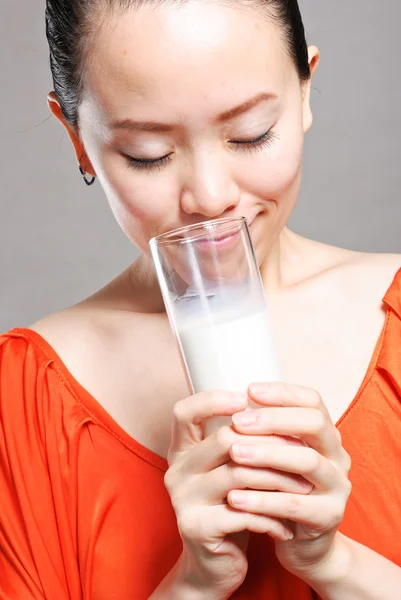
220 241
210 236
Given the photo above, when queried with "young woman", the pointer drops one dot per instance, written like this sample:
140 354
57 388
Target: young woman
187 111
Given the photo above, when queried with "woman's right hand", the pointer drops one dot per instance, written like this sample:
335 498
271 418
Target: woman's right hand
199 478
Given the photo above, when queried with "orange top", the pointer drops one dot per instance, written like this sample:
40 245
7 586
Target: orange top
84 513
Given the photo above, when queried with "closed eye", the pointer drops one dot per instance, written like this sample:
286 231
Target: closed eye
150 164
263 141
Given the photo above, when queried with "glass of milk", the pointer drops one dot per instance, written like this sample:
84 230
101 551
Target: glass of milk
215 302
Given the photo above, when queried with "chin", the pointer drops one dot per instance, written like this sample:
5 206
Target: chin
264 235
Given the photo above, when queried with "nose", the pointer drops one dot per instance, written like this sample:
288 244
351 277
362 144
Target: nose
210 190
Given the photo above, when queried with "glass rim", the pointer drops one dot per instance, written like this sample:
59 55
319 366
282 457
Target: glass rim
172 237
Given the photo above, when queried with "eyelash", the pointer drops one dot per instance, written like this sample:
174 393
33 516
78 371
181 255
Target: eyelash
147 164
260 143
257 144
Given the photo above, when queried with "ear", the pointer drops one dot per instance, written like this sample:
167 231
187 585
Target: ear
82 157
314 58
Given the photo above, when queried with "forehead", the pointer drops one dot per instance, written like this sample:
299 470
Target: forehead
176 56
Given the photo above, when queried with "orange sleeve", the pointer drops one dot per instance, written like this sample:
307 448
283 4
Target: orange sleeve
37 554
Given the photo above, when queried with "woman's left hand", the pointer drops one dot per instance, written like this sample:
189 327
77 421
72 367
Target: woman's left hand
290 410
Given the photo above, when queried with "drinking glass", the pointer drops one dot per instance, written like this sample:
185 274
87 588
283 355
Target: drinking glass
215 302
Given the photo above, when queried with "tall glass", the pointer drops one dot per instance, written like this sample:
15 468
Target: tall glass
214 297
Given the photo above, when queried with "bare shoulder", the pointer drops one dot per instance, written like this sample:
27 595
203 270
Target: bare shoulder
379 261
373 273
94 339
359 282
124 357
108 341
103 323
323 269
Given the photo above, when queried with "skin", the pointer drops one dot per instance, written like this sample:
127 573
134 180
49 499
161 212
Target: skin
315 291
208 177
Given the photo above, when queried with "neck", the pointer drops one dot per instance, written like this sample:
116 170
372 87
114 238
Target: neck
284 264
291 260
144 285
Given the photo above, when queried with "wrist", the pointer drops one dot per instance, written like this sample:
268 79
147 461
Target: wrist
177 591
334 568
185 590
190 586
176 586
181 584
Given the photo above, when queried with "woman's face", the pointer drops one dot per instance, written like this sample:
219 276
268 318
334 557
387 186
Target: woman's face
194 112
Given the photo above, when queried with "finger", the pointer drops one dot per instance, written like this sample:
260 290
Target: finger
312 511
214 451
189 414
233 476
309 424
304 461
216 522
286 395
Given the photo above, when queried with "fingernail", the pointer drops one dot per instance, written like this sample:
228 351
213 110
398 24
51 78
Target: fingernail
238 498
244 450
259 389
289 535
248 417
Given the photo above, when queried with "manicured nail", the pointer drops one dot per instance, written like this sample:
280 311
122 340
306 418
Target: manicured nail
259 389
248 417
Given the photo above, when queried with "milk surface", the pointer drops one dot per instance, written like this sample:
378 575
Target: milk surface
228 351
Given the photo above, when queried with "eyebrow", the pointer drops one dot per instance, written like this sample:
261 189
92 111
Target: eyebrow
131 125
245 106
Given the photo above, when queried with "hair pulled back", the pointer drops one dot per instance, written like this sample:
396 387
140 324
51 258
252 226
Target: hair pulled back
69 24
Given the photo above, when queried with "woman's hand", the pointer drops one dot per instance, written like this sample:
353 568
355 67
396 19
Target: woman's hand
199 478
291 410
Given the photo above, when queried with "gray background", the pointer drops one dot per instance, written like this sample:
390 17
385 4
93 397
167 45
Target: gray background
58 239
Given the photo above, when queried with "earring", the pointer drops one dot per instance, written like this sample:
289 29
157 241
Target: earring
83 173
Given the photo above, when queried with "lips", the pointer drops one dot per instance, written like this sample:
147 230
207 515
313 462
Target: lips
221 241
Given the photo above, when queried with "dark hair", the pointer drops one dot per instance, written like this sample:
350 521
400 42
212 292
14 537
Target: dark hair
69 24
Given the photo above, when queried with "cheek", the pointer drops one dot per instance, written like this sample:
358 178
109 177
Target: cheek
275 173
142 203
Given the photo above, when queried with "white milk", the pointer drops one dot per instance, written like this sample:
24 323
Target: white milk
228 352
